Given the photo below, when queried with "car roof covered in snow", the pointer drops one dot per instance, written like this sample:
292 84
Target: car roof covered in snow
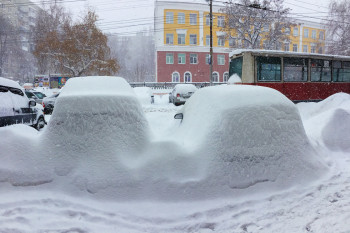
9 83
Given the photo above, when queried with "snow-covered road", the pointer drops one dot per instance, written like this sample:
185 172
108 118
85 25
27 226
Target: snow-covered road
323 206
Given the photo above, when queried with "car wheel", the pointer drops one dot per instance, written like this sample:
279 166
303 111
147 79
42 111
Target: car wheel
48 109
40 123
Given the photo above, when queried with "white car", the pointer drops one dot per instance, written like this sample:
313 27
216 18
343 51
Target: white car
181 93
16 108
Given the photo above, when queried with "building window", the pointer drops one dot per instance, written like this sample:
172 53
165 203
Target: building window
295 48
287 31
175 77
232 42
207 59
313 34
225 78
215 77
169 58
207 40
221 41
305 48
193 19
169 17
193 58
313 48
306 33
295 31
181 38
207 20
188 77
169 38
181 18
221 59
321 36
320 50
193 39
181 58
286 46
221 21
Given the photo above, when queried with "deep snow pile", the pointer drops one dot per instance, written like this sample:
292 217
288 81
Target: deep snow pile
235 140
332 116
250 134
144 94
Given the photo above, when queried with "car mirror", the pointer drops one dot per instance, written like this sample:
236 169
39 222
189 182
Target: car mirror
179 116
32 103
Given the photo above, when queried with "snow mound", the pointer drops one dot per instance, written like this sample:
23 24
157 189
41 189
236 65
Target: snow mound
335 133
234 79
248 135
185 88
144 95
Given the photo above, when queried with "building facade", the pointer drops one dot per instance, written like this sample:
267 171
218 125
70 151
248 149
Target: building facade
182 42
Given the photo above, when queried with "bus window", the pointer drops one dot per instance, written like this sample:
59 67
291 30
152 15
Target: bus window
295 69
269 68
320 70
236 66
341 71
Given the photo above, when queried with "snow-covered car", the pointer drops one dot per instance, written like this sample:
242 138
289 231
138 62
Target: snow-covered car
49 103
16 108
181 93
35 95
254 134
144 94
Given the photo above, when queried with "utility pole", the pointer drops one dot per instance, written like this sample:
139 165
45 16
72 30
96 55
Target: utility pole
211 42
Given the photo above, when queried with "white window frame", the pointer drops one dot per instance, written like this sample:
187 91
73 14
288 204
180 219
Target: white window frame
221 41
167 38
295 47
183 61
232 42
190 80
182 19
306 33
207 40
193 19
305 48
192 56
169 17
207 56
207 20
178 76
313 48
313 34
193 35
218 77
221 59
321 35
295 31
168 58
178 37
227 77
286 46
221 21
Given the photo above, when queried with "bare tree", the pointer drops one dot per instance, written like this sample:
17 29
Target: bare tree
7 40
256 24
77 48
338 27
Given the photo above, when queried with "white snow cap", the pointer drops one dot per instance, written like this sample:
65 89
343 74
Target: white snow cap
234 79
9 83
185 88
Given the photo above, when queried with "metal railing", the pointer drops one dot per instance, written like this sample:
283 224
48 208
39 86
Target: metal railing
170 85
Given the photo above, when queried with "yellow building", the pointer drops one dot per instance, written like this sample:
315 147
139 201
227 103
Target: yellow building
182 37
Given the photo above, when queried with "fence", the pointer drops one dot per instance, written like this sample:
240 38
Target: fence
170 85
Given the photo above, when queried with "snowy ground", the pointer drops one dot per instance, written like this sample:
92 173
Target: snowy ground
323 206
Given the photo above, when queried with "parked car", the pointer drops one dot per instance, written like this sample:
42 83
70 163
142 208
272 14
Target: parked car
181 93
16 108
49 103
36 95
144 94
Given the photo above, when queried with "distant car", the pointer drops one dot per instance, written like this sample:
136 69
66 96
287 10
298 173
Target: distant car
49 103
16 108
181 93
36 95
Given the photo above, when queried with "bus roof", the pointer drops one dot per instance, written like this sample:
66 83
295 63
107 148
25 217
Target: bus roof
261 52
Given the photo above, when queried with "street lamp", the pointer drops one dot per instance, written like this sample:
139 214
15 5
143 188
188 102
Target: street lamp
211 41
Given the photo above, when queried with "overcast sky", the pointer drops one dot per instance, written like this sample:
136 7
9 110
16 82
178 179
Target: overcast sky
126 17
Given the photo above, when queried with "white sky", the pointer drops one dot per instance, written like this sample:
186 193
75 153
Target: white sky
126 17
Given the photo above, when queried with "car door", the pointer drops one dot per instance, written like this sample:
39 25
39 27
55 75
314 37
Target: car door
23 113
6 107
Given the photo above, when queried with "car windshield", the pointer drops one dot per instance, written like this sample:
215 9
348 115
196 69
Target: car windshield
40 95
29 94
